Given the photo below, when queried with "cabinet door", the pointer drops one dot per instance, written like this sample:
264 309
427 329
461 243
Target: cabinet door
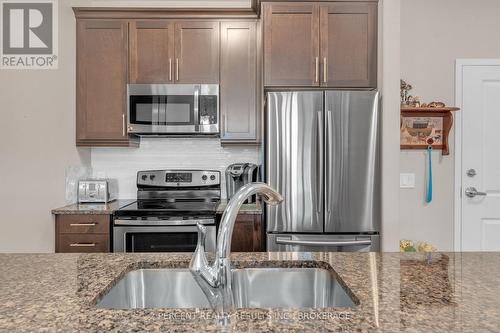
238 86
349 44
101 83
248 234
291 44
196 52
151 51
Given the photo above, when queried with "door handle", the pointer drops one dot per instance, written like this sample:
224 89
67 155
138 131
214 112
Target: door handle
123 125
325 70
329 171
352 242
471 192
170 69
93 224
316 70
82 244
319 162
177 69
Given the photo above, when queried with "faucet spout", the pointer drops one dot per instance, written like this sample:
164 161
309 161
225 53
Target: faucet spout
226 227
215 280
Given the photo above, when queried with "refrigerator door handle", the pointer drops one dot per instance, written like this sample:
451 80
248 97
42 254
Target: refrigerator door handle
329 163
287 241
319 163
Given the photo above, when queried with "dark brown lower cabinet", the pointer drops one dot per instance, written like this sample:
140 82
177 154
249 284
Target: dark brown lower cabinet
248 234
82 233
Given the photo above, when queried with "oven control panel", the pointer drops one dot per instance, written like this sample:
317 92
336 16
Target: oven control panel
178 178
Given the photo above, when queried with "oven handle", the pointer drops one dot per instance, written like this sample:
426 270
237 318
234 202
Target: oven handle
286 241
120 222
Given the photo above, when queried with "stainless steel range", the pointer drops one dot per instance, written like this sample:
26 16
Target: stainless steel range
169 205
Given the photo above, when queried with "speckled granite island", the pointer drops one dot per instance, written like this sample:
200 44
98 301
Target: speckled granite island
396 292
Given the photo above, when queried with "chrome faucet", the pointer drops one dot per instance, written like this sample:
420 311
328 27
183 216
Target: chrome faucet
215 279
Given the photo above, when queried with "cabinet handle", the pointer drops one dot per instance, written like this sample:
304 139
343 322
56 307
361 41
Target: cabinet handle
177 69
82 245
123 125
325 70
170 69
225 125
93 224
316 70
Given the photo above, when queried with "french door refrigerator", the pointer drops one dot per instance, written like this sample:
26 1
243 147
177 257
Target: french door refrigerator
323 156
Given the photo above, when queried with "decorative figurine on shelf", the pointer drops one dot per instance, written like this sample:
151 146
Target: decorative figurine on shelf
405 89
414 102
406 98
436 105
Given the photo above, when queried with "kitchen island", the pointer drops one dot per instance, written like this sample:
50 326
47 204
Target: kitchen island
446 292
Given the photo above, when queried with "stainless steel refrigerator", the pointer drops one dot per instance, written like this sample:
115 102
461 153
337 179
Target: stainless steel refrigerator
323 156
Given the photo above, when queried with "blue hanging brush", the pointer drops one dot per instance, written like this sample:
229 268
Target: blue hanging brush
429 187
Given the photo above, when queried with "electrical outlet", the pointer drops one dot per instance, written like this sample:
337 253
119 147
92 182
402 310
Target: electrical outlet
407 180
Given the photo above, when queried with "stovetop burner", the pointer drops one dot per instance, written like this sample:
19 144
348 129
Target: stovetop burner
164 207
174 193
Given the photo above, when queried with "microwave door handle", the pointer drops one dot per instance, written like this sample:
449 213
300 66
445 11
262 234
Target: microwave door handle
353 242
162 112
155 117
196 105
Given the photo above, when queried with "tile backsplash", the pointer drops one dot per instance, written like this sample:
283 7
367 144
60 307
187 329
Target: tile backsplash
167 153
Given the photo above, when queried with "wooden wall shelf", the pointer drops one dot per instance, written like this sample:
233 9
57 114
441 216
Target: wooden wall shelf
425 112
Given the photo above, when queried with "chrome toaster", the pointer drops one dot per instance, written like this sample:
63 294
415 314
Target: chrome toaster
97 190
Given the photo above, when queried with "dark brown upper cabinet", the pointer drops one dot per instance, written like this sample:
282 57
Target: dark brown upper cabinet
323 44
196 52
239 88
291 44
348 38
102 53
168 51
151 51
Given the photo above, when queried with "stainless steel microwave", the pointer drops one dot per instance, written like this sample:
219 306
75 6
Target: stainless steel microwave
173 109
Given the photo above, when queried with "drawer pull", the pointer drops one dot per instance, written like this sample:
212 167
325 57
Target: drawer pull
83 224
82 245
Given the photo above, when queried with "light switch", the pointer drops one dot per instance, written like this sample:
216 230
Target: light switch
407 180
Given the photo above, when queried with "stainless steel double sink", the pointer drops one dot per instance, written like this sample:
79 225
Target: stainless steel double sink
252 288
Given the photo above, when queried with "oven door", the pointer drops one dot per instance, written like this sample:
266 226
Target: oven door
172 109
160 238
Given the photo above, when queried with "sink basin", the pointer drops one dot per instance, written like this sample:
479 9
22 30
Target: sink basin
252 288
288 288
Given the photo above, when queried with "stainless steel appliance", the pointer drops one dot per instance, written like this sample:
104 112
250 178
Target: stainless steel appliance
173 109
169 205
97 190
239 174
322 155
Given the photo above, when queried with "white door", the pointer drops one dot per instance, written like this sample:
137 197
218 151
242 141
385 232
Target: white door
480 169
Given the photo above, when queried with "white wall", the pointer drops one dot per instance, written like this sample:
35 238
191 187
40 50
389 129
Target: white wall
171 153
389 27
37 142
433 35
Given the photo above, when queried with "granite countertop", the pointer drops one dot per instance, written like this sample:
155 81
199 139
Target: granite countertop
255 208
455 292
109 208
